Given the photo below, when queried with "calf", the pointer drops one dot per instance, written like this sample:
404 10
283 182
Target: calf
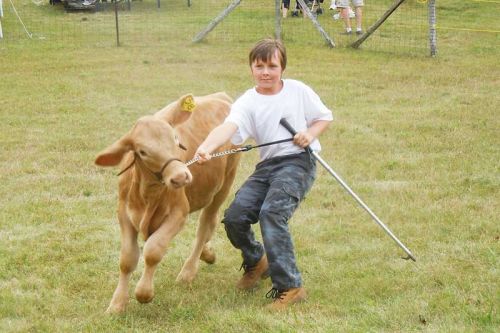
157 190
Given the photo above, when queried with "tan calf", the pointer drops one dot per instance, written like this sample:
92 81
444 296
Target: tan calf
157 190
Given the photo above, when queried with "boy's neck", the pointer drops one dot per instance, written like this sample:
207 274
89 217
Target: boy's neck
274 90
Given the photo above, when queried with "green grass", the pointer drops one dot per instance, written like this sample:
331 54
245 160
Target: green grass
416 137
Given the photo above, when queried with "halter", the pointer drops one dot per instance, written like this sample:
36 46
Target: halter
158 175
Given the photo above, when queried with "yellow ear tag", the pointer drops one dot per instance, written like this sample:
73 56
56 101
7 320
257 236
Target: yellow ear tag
188 104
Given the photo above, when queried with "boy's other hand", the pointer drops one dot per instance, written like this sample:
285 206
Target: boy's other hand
303 139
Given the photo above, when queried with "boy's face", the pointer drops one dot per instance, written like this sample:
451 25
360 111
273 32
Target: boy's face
267 75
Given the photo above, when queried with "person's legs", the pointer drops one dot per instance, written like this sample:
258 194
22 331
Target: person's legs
285 8
291 178
276 211
359 18
344 13
242 213
347 21
298 8
358 8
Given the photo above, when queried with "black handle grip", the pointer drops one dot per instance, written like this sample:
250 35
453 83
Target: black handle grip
289 127
292 131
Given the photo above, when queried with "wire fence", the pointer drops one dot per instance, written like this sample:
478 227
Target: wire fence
156 22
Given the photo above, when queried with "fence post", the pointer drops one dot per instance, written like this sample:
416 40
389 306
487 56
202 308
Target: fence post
116 23
199 37
432 28
377 24
316 23
1 15
277 20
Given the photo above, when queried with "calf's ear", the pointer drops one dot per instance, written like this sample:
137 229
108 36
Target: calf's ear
112 155
179 111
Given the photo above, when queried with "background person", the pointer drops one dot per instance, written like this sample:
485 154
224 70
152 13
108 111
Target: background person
285 7
358 5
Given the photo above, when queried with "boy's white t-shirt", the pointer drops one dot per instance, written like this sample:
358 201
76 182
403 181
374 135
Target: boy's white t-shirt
258 116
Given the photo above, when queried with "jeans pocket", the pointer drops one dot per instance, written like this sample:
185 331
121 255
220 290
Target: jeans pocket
292 191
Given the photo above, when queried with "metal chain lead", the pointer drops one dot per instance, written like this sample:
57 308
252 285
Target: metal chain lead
222 153
238 150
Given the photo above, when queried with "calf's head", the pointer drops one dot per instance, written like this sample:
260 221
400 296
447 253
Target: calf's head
157 151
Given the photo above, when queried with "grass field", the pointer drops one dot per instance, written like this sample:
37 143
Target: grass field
416 137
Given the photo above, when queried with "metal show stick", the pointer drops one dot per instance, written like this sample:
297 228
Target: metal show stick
292 131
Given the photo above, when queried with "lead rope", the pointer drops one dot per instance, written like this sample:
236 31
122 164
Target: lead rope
222 153
238 150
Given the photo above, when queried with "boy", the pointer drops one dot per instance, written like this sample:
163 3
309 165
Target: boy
282 177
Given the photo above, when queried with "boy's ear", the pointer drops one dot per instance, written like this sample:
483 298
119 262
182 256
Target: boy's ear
179 111
113 155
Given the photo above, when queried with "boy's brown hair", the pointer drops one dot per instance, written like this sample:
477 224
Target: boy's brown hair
264 50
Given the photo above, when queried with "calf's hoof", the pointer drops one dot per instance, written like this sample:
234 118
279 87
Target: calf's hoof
208 256
144 295
116 308
185 277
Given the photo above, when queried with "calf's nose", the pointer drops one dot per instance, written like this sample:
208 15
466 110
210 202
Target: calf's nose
180 179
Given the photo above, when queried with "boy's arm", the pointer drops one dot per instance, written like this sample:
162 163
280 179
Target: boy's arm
216 138
305 138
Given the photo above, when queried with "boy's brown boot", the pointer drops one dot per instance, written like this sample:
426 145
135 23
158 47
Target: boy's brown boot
283 299
253 274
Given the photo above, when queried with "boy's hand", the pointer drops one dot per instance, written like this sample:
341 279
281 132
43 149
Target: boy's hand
203 155
214 140
303 139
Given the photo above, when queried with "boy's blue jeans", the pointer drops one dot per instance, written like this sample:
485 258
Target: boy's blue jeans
271 195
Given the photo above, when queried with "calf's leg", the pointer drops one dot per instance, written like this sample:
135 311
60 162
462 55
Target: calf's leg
129 256
206 226
154 250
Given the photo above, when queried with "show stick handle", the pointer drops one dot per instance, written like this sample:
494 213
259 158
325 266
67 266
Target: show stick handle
287 125
292 131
